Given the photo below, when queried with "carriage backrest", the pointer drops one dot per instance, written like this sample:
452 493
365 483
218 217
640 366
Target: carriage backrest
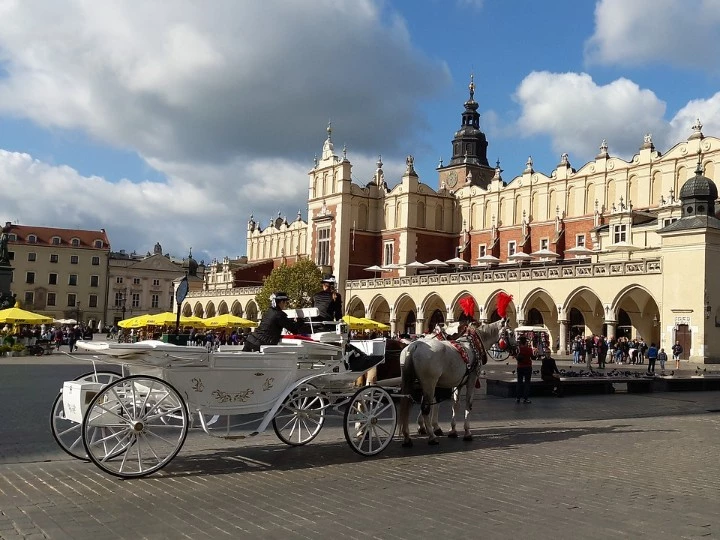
302 313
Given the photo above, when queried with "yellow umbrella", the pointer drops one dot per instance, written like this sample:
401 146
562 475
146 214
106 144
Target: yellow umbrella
356 323
377 325
134 322
228 320
16 315
192 320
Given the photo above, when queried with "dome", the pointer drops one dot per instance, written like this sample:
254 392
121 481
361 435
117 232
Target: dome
699 187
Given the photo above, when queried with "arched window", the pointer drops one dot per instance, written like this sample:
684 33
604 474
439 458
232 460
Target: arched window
75 242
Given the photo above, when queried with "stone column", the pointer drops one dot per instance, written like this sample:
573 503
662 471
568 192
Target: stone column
419 326
393 327
563 336
611 328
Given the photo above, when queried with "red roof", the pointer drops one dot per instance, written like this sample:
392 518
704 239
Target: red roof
44 235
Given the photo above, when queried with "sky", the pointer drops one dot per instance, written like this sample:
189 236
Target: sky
173 122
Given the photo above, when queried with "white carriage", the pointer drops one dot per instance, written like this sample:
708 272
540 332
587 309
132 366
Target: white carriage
133 425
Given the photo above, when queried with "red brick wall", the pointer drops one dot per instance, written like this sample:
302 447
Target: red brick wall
367 252
581 226
252 276
435 246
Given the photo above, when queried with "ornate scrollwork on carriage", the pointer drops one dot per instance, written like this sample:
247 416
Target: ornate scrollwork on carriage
229 397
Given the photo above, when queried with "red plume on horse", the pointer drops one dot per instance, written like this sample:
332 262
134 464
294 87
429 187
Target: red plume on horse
467 305
503 301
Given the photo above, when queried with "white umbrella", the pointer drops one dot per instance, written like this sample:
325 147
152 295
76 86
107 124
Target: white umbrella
415 264
545 254
520 257
622 246
488 259
436 263
390 267
457 261
374 268
580 251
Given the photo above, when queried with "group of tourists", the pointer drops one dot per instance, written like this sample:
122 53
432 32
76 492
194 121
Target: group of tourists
586 349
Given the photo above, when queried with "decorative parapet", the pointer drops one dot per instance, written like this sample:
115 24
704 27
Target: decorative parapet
499 275
237 291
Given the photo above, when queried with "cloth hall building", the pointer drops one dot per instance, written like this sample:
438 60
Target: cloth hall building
613 248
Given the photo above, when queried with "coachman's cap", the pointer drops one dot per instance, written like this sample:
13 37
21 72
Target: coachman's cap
278 297
327 278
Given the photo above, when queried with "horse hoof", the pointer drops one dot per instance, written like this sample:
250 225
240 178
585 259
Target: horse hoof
468 438
453 435
438 432
422 431
433 442
407 444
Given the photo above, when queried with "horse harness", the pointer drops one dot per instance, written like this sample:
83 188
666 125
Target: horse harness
477 347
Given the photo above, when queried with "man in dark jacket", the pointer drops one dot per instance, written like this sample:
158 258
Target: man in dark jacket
272 324
328 301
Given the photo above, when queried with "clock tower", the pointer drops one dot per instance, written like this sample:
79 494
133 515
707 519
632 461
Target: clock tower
469 161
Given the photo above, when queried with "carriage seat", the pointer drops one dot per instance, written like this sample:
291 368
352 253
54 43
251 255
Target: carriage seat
359 361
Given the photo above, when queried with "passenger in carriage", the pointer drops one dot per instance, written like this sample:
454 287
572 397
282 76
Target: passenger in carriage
328 301
272 324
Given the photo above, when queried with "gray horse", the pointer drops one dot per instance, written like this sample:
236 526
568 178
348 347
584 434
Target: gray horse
437 363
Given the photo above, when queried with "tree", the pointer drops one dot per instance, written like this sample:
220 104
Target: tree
300 281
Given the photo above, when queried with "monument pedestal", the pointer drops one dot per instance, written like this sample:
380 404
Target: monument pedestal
5 283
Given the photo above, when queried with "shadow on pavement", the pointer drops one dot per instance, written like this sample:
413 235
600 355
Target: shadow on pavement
259 458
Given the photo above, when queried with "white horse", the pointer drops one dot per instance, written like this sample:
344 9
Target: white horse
437 363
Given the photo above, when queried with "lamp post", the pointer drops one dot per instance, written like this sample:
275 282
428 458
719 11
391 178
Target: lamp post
122 305
77 311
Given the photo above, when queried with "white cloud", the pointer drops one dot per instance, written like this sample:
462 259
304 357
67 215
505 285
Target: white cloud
211 98
576 113
706 110
665 31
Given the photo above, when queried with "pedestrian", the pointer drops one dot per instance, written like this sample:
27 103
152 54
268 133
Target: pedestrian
589 351
272 324
524 357
677 350
662 358
550 373
602 352
652 354
577 350
328 302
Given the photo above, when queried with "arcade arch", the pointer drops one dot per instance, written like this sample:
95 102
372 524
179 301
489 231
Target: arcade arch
405 315
222 308
637 314
355 307
210 309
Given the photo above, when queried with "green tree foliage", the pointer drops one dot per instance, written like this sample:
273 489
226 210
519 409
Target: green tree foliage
300 281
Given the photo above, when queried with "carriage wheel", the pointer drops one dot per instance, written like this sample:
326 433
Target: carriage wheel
68 434
498 354
301 416
137 408
370 420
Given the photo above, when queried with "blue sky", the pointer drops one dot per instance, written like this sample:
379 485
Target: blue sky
175 124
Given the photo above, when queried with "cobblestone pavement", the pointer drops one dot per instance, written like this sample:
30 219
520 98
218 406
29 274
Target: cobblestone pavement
623 465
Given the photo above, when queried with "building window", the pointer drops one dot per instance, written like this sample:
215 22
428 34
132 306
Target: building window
29 297
512 247
72 298
32 257
544 243
619 233
51 299
72 279
136 281
55 240
135 300
94 281
155 300
96 261
74 259
53 258
12 237
29 277
388 253
75 242
156 282
119 279
118 299
98 243
482 250
668 221
92 300
32 239
580 240
52 279
11 255
323 246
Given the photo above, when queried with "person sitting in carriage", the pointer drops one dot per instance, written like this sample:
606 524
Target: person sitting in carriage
273 322
328 302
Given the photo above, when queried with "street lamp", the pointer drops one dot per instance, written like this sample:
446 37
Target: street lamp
77 310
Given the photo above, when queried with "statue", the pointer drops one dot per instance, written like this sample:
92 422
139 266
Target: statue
4 239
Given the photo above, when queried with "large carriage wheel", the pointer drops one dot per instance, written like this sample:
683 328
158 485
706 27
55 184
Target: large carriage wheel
137 408
370 420
68 434
301 416
498 354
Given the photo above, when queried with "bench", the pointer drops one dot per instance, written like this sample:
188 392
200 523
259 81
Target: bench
571 386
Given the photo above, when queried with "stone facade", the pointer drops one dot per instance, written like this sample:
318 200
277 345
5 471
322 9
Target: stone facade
582 251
